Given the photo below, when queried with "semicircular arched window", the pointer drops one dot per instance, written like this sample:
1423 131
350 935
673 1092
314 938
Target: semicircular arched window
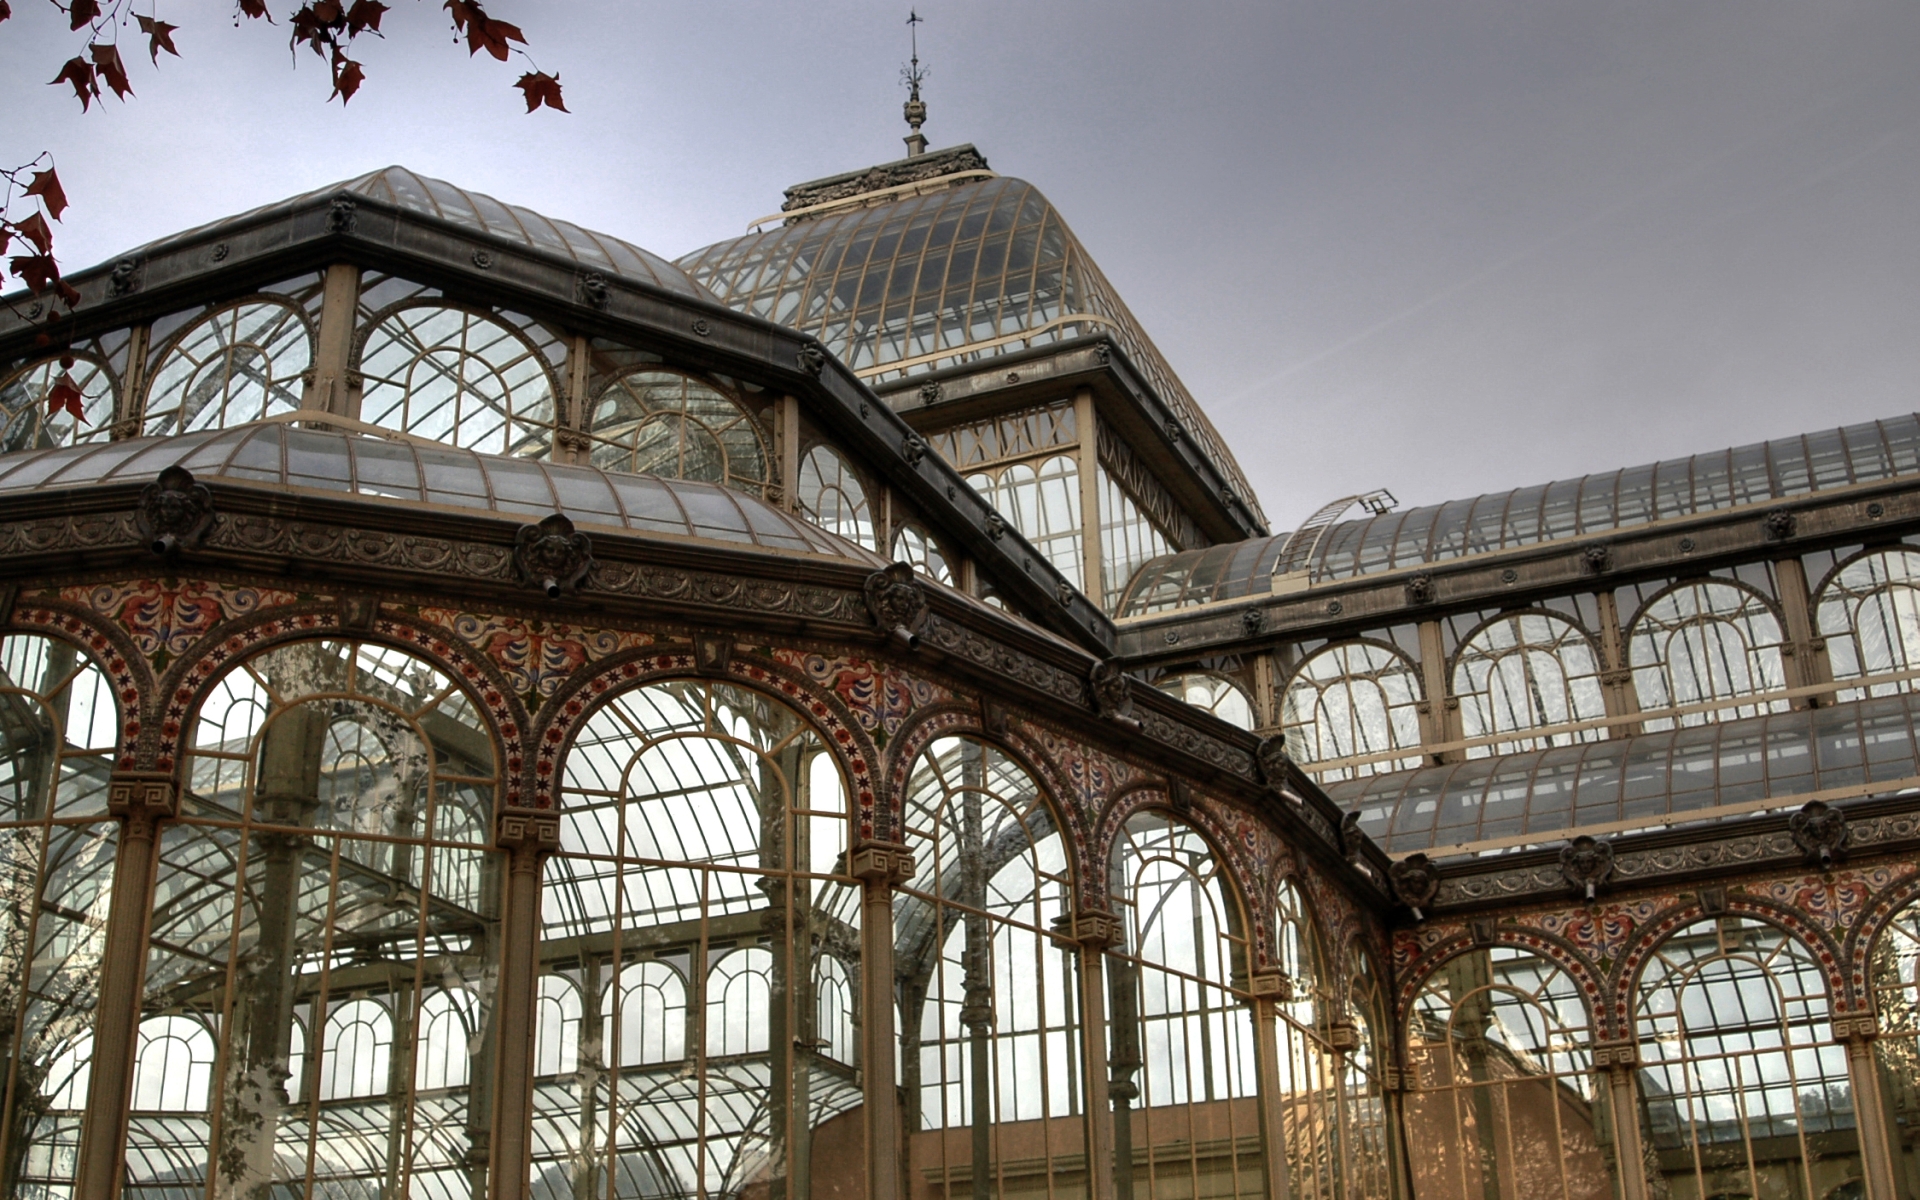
666 424
460 378
236 364
829 493
1736 1050
1895 978
1505 1031
1220 696
1353 701
974 923
1526 671
1869 613
1700 643
915 547
33 405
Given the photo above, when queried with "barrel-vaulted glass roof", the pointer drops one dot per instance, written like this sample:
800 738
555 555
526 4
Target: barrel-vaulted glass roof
981 268
483 214
412 474
1757 474
1653 779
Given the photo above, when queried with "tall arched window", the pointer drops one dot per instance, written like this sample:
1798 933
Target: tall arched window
458 377
1501 1091
663 423
1041 500
1743 1090
1525 671
1212 693
326 901
1869 613
33 416
237 364
990 1027
556 1021
915 547
173 1065
1309 1083
1177 1028
1353 700
1703 642
1895 979
700 878
59 724
1365 1125
829 493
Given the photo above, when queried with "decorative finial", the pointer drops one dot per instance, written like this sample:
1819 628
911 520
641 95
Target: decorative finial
915 108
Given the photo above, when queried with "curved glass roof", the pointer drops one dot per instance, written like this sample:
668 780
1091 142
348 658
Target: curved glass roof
483 214
982 268
1757 474
414 473
1647 780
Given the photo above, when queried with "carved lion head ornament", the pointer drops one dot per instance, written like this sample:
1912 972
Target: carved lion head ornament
552 556
174 511
898 603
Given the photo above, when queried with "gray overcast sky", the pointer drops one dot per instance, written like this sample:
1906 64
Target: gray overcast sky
1443 248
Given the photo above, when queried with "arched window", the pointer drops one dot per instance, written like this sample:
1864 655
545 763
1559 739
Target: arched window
1502 1095
1869 613
28 422
834 988
358 1052
1174 1011
237 364
458 377
1367 1159
1042 501
830 494
1895 979
662 423
1703 642
323 905
1525 671
916 547
173 1065
1212 693
1742 1087
557 1014
59 724
1309 1083
1354 700
990 1028
700 878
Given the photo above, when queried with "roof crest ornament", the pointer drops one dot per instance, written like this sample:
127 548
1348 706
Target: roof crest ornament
915 108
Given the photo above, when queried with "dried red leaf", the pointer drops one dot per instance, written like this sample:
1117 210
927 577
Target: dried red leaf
106 60
80 74
66 292
37 271
6 10
329 11
65 395
35 230
347 78
255 8
6 237
541 88
364 15
159 36
483 32
83 12
46 185
309 28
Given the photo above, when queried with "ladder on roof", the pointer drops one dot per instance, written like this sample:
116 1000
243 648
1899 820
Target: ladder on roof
1298 550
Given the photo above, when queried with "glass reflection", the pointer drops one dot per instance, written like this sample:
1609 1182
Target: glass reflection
448 375
235 365
829 493
661 423
1353 701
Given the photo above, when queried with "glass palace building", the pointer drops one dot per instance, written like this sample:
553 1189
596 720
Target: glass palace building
490 711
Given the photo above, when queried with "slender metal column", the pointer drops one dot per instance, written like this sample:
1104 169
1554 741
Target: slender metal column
1095 931
527 838
141 800
1123 993
1270 990
330 387
1618 1059
880 866
1876 1151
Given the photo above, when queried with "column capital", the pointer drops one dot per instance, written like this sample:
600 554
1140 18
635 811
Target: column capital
888 863
527 831
143 798
1092 928
1343 1035
1271 984
1856 1027
1616 1052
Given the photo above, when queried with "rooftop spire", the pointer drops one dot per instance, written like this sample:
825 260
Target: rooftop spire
915 108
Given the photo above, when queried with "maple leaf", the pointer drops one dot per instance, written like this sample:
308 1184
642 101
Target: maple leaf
483 32
6 10
255 8
83 11
66 292
365 14
106 60
347 77
65 394
308 27
37 271
35 230
78 73
46 185
159 36
541 88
